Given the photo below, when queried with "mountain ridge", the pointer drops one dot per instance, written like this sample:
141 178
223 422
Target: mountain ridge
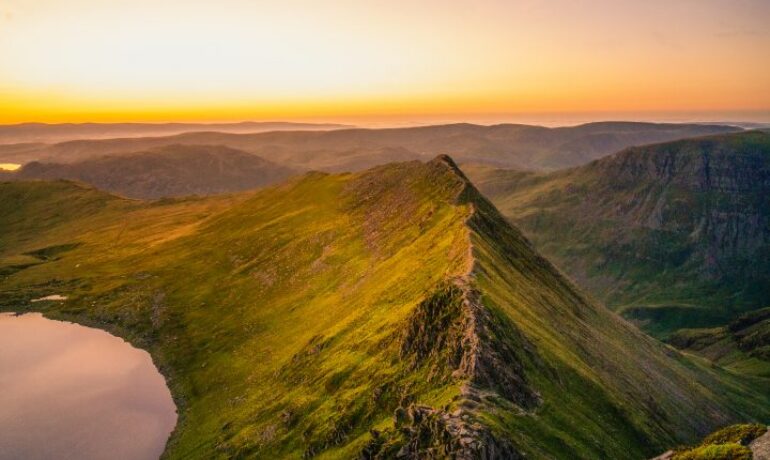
505 145
347 315
168 171
60 132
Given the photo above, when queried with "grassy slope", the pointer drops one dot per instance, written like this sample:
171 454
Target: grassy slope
236 311
638 244
622 387
279 317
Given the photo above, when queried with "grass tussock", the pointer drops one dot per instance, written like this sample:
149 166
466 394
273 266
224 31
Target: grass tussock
729 443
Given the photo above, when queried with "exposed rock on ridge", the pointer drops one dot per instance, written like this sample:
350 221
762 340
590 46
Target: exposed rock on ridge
453 333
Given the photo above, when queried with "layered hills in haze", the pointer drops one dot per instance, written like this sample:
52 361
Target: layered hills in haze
27 133
514 146
383 313
172 170
673 235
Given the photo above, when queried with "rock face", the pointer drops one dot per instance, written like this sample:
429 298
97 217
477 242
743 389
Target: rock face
422 432
713 191
455 334
760 447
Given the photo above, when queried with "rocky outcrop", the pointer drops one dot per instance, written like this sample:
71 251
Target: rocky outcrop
453 333
421 432
760 447
433 334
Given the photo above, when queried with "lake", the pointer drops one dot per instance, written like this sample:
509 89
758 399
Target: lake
74 392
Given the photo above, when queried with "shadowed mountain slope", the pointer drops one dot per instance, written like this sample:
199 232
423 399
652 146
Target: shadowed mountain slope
673 235
390 312
520 146
174 170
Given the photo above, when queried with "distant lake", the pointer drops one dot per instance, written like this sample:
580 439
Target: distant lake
73 392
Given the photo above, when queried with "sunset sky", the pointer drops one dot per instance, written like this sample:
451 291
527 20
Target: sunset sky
164 60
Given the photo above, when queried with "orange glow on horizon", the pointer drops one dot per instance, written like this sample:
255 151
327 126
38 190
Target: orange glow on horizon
86 60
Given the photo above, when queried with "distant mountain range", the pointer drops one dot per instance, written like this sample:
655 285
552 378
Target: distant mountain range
391 313
673 235
49 133
511 146
171 170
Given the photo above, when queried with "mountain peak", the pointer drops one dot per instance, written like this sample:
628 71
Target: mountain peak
447 161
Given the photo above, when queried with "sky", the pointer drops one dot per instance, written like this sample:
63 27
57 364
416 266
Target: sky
231 60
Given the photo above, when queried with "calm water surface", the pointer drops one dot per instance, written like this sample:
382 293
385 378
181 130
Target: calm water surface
72 392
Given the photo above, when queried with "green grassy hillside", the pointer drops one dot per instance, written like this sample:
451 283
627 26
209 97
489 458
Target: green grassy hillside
673 235
358 315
